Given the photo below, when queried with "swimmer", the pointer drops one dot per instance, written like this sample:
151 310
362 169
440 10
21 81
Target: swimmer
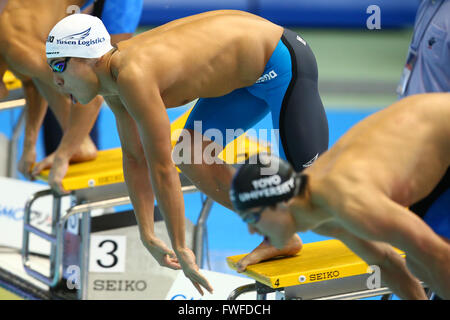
25 25
426 70
22 51
359 190
121 19
241 67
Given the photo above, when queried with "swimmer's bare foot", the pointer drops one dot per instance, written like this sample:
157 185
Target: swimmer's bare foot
86 152
266 251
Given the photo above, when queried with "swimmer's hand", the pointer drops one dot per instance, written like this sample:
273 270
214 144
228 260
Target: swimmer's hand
187 261
26 162
162 254
59 167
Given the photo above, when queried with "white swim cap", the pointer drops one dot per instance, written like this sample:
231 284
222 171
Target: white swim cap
78 35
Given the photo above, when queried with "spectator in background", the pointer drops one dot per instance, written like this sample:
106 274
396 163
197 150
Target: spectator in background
121 19
427 69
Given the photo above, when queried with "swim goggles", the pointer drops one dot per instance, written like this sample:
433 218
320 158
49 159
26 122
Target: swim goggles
252 217
60 66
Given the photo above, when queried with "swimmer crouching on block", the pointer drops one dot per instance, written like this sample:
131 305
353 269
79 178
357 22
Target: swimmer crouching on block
239 66
359 190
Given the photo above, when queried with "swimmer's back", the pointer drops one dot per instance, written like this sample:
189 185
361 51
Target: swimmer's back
31 19
205 55
404 148
24 26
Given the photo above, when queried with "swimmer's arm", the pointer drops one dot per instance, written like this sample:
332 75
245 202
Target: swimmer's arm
137 179
135 169
81 121
374 216
145 105
143 101
393 267
35 110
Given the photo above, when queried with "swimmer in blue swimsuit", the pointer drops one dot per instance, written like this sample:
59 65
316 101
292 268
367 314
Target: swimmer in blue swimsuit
288 90
240 67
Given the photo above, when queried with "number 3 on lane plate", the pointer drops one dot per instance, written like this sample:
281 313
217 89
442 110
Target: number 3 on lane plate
107 254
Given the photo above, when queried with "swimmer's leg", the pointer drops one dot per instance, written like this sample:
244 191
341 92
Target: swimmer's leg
3 89
297 110
394 272
35 109
213 179
237 110
381 219
61 107
205 135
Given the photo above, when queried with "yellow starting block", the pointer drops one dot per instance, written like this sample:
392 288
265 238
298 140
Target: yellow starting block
321 270
11 82
15 97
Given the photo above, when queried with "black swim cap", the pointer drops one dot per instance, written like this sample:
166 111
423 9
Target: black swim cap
264 181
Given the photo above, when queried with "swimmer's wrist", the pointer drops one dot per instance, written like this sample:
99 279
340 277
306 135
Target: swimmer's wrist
180 249
29 145
149 240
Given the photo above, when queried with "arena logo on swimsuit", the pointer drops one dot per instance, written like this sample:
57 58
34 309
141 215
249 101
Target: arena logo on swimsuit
268 76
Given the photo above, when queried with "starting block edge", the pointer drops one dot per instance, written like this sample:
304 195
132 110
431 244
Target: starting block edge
316 262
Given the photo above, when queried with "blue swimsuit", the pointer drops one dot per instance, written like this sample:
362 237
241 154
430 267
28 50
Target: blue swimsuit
288 90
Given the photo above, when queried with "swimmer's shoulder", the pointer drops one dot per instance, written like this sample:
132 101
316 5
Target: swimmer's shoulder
432 110
129 72
428 100
123 61
441 99
434 107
